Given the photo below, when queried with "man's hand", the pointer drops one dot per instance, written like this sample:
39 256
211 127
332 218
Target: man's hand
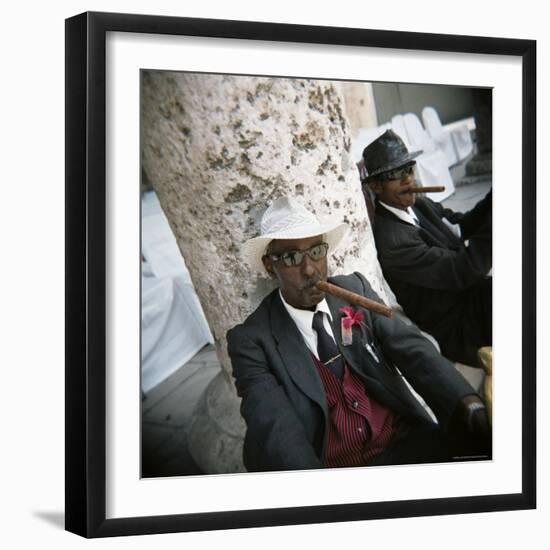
470 429
475 416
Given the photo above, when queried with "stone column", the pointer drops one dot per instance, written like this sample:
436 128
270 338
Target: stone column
218 150
360 106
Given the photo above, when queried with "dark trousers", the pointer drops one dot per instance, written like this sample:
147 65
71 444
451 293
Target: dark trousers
427 443
469 326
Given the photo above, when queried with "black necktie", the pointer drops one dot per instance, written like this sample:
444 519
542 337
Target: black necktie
327 349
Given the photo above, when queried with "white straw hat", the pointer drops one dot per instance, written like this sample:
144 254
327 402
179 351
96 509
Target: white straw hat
286 218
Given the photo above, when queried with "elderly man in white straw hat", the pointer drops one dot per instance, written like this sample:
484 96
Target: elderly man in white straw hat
321 379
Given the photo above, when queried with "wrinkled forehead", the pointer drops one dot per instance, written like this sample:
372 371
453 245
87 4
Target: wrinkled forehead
278 246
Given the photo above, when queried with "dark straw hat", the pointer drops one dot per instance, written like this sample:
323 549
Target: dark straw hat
386 153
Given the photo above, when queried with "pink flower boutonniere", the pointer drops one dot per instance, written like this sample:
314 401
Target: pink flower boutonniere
350 319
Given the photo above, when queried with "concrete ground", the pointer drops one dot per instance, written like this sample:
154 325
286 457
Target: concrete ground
166 415
466 196
167 409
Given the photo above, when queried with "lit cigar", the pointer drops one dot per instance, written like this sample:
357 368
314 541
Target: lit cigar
428 189
356 299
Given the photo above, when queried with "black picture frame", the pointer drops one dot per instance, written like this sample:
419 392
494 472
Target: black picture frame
86 273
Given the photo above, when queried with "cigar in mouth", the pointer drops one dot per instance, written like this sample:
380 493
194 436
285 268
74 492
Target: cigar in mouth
354 298
427 189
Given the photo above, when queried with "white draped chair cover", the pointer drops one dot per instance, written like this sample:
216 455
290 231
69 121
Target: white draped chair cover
431 165
440 136
173 326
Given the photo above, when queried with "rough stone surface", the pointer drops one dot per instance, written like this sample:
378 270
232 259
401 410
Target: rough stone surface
217 430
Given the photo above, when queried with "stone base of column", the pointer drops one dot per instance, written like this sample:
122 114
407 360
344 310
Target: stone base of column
217 429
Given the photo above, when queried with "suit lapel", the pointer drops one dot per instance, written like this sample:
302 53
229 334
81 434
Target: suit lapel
354 354
432 230
296 355
347 351
385 388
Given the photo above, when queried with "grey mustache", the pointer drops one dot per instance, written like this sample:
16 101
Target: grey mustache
311 283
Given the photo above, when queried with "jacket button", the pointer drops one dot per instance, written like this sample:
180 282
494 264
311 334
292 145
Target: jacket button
355 404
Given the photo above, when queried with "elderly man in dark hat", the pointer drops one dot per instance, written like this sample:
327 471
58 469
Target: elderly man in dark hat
435 260
319 377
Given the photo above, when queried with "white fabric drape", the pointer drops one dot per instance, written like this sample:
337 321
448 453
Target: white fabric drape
173 326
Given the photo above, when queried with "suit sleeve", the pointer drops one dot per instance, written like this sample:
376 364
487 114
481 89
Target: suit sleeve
451 215
479 219
475 221
412 260
429 373
276 439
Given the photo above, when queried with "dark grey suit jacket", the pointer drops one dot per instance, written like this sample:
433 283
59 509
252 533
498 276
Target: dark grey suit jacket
283 399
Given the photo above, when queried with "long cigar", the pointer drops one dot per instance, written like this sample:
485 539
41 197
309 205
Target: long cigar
356 299
428 189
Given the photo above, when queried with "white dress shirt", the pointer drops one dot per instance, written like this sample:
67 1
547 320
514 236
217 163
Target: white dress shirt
410 217
406 215
303 318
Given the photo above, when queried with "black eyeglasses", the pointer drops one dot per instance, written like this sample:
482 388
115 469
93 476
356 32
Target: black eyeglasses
397 174
296 257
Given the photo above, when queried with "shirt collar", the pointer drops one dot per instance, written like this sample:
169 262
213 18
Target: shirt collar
407 216
304 317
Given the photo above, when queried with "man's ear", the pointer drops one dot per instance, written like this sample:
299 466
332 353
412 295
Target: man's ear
268 264
376 186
